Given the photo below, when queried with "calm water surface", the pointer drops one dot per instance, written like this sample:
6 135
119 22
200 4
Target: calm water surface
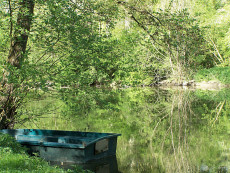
171 130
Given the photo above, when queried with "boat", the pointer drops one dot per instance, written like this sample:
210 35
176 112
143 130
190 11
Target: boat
66 146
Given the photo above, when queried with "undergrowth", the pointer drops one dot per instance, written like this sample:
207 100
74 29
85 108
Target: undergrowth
220 74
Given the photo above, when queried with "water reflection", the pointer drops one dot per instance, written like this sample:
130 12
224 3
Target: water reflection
106 165
162 130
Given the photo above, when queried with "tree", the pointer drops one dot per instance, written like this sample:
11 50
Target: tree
176 38
66 38
9 101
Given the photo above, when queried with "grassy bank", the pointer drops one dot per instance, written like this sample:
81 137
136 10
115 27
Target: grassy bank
13 159
218 74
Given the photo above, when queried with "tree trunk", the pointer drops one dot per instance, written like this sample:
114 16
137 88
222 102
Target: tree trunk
9 102
19 42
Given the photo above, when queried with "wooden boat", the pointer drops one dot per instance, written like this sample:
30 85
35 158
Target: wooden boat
66 146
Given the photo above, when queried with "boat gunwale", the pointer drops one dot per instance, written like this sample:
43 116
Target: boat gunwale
57 144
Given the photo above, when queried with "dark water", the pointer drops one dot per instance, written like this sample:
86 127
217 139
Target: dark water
162 130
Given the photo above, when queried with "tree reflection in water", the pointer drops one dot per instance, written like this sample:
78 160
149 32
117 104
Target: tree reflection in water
162 130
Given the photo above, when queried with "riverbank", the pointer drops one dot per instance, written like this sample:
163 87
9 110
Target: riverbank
16 160
194 84
213 78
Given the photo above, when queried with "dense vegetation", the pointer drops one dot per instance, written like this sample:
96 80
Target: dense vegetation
77 43
219 74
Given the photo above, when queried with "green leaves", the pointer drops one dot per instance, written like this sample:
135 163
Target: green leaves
9 144
219 74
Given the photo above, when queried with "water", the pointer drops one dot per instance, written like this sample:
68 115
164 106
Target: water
163 130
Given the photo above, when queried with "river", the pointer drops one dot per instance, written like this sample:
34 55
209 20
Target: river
163 130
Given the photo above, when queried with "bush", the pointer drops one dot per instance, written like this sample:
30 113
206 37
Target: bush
9 143
221 74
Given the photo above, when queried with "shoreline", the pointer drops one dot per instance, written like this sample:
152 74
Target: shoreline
206 85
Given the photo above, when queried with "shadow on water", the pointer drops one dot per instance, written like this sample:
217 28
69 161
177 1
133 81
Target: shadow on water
106 165
173 130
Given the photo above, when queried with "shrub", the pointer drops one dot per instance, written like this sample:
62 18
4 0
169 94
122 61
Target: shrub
221 74
9 143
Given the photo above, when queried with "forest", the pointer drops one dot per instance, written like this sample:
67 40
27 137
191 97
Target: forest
56 44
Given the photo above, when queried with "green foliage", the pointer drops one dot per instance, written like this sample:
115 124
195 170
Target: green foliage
103 42
9 143
221 74
97 42
181 41
174 43
12 162
216 19
4 31
15 159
